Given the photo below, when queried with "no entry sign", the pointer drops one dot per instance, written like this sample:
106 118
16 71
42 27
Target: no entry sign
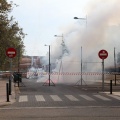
11 52
103 54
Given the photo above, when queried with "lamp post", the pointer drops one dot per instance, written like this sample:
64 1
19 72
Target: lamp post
62 53
115 70
59 36
62 40
18 50
81 48
49 64
82 19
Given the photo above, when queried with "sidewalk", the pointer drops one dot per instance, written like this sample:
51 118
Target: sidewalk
113 93
3 98
97 87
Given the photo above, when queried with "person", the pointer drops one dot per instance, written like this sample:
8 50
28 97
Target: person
14 76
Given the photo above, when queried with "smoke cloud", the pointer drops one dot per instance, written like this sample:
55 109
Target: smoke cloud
100 30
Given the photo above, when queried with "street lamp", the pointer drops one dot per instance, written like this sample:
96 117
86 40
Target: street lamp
63 44
82 19
62 53
62 40
59 36
115 65
18 51
81 48
49 69
49 63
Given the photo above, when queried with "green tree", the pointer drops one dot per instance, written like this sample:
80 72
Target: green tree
11 35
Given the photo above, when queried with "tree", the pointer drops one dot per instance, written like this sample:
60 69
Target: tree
11 35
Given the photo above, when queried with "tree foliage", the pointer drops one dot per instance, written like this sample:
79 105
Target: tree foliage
11 35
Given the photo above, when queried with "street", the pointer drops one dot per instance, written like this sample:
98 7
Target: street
67 113
60 102
35 94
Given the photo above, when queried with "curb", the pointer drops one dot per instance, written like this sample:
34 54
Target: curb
12 98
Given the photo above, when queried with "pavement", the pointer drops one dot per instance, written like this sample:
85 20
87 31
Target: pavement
3 94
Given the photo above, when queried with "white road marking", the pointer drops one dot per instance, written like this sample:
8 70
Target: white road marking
87 97
102 97
39 98
116 97
71 97
55 97
23 98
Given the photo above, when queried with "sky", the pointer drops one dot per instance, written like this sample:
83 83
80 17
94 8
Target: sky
83 39
42 19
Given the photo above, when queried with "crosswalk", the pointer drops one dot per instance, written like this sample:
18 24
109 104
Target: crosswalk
72 98
23 98
87 98
55 98
39 98
102 97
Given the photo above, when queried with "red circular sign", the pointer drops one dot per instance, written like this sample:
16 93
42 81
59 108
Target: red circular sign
103 54
11 52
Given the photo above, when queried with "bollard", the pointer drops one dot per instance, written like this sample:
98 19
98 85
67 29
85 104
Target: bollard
7 92
110 86
9 85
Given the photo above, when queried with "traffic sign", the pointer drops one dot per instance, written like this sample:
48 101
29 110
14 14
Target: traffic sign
103 54
11 52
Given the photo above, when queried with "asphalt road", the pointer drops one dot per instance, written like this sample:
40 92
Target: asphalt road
61 102
35 94
68 113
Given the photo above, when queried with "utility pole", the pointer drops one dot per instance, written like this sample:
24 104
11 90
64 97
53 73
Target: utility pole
18 50
81 65
49 80
49 65
115 65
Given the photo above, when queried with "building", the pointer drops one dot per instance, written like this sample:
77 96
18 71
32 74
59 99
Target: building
29 61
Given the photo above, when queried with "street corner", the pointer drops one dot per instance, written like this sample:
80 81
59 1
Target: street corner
4 102
4 98
111 94
116 93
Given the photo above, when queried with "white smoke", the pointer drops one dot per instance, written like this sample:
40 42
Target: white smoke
102 32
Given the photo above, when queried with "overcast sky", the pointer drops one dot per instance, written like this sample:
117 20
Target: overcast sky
42 19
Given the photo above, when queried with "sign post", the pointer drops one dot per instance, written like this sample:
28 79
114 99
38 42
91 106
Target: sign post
103 54
11 53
